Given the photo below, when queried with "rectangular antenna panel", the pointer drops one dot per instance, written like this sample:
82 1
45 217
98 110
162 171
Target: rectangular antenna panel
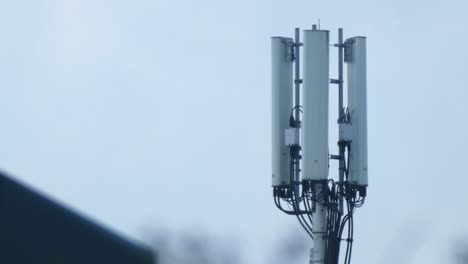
282 103
357 104
315 105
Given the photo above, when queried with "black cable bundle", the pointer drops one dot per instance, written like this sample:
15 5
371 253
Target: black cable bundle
297 194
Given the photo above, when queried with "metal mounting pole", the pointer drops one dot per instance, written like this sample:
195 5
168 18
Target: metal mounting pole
341 147
297 98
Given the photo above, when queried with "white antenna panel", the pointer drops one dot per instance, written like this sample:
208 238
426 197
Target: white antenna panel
282 103
355 56
315 105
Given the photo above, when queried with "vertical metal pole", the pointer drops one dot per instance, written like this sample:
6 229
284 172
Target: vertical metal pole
297 98
340 112
297 76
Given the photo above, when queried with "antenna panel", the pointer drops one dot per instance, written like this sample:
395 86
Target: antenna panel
357 104
315 105
282 103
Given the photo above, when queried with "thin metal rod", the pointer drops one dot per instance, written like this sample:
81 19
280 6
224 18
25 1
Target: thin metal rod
297 77
297 98
341 112
340 72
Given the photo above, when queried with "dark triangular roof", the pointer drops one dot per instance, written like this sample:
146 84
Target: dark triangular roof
36 229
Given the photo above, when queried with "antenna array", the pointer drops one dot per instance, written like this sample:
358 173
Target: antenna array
324 206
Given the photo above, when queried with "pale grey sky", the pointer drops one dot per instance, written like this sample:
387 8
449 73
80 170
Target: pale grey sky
157 113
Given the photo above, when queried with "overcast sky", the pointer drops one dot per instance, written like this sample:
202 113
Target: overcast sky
150 114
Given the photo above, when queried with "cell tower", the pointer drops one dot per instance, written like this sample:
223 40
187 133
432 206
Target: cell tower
302 187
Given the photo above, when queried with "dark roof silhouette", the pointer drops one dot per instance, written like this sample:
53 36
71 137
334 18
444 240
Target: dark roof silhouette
37 230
